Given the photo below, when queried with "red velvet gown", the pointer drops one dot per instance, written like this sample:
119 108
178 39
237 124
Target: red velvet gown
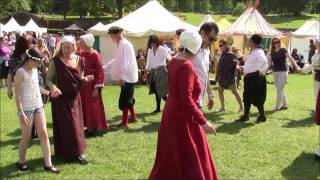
182 151
92 107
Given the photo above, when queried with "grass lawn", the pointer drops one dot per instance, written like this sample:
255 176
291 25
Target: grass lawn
281 148
277 21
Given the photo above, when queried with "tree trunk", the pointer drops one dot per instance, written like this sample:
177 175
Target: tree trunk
120 8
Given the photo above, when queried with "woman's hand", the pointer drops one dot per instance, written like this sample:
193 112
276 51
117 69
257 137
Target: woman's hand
55 92
122 82
88 78
208 128
24 119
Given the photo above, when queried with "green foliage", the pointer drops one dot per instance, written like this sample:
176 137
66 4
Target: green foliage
238 10
202 6
10 6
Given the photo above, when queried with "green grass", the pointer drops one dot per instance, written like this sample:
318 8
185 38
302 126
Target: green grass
277 21
281 148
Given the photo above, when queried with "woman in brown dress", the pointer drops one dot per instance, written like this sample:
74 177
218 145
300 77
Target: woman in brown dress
65 76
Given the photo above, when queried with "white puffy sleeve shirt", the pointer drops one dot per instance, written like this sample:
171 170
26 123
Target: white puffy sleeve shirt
256 61
157 60
124 66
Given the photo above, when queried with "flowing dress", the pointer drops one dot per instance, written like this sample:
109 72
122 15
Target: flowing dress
182 150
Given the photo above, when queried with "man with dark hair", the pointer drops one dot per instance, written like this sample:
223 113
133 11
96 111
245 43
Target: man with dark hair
312 50
208 32
124 68
255 86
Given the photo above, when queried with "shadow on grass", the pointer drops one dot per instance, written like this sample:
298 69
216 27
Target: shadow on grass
35 165
300 123
15 142
233 127
303 167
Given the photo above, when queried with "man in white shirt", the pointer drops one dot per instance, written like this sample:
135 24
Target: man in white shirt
124 68
255 86
208 31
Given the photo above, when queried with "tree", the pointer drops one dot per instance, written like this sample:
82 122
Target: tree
169 4
81 7
202 6
62 6
11 6
185 5
238 10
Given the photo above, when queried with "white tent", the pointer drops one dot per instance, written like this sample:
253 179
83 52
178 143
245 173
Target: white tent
1 29
152 18
32 27
251 22
97 28
301 37
12 25
208 18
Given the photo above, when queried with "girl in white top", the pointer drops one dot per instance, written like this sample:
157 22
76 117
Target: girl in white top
30 109
157 58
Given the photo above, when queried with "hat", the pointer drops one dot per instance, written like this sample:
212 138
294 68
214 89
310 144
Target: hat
191 40
257 39
69 39
88 39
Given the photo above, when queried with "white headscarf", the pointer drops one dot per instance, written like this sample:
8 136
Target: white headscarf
65 39
88 39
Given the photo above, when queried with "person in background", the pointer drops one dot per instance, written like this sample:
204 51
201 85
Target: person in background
64 79
92 105
226 74
182 148
140 54
42 47
315 67
4 62
57 39
30 110
176 44
241 62
312 50
278 62
297 57
208 31
52 44
124 68
255 86
156 67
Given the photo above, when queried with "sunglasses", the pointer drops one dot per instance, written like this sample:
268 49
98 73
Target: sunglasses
220 45
276 42
212 38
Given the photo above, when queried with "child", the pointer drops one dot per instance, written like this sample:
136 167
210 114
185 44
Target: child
30 109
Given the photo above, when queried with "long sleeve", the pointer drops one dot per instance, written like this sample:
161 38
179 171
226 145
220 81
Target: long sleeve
98 75
186 85
148 64
51 75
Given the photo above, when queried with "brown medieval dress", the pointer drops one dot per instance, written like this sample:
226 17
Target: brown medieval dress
67 116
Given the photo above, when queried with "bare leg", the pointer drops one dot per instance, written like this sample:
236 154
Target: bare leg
41 127
221 96
237 95
24 141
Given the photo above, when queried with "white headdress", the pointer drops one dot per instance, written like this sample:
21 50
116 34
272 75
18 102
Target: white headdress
65 39
88 39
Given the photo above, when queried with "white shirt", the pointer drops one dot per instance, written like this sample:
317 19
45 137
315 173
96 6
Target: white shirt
256 61
315 65
52 42
124 65
202 64
157 60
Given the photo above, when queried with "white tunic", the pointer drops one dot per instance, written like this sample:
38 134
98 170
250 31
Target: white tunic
256 61
202 65
31 97
157 60
124 65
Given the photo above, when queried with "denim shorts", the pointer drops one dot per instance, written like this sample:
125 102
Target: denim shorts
32 113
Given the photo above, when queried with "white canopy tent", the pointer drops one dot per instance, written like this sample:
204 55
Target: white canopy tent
97 28
301 37
33 27
150 19
12 26
208 18
249 23
1 29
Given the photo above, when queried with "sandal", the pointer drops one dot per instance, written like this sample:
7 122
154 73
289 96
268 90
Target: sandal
22 167
51 169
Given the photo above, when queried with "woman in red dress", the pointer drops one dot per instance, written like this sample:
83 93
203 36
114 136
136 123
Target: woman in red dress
92 104
182 151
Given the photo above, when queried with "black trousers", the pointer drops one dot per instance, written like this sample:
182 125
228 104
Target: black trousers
158 98
126 99
255 91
